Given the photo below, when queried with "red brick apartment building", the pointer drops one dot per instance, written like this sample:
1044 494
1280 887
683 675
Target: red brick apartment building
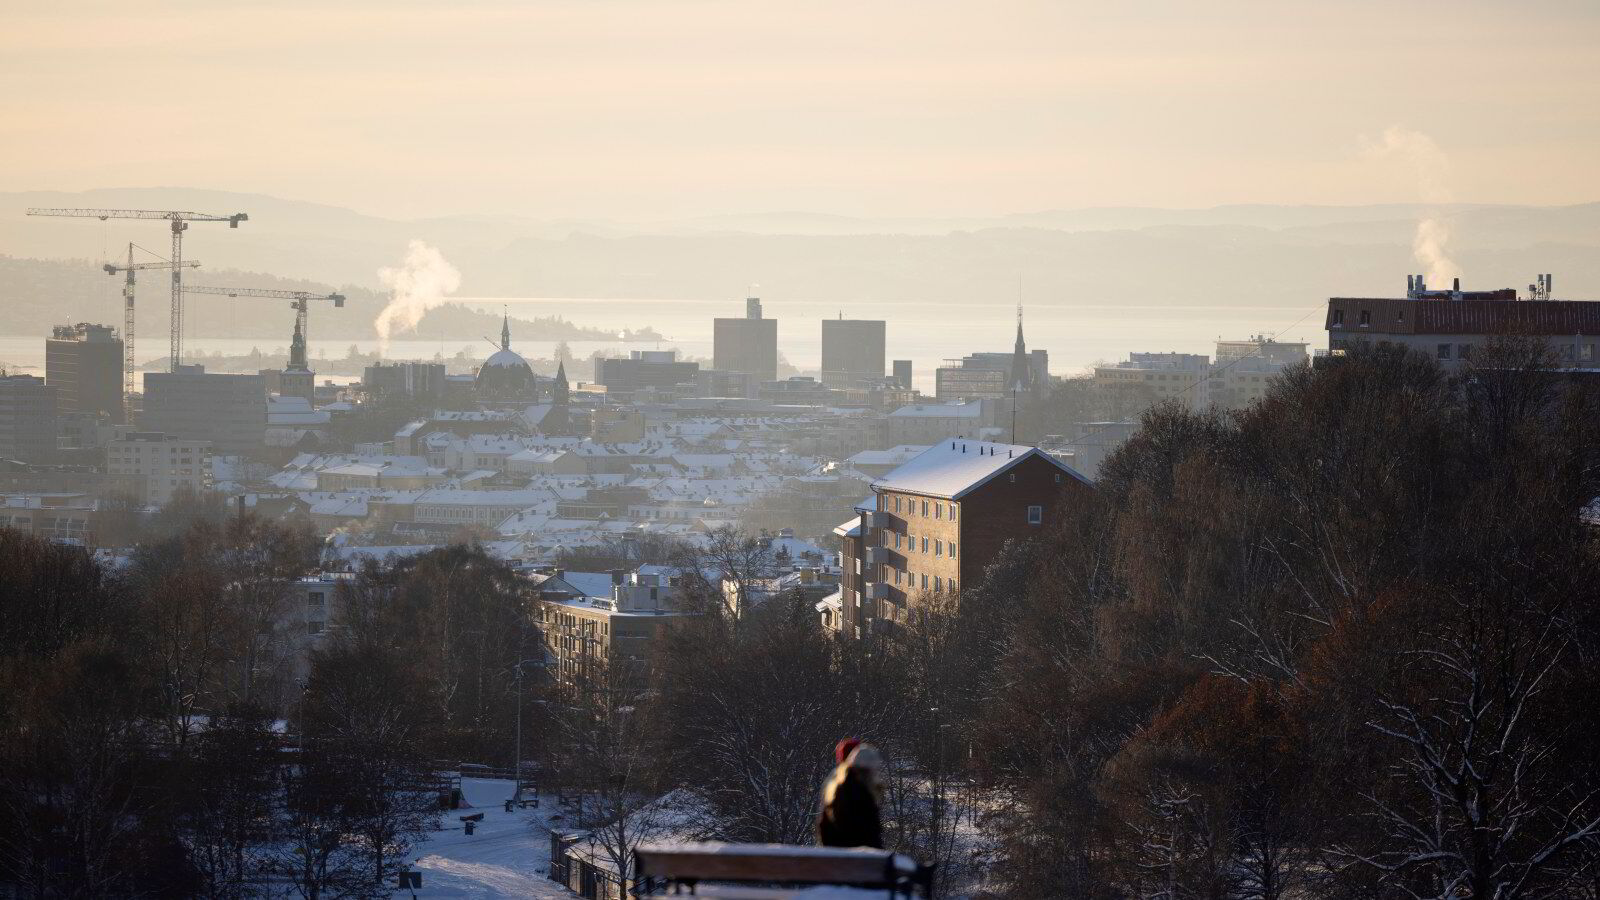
935 523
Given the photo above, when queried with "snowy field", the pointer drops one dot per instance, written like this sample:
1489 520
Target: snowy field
507 855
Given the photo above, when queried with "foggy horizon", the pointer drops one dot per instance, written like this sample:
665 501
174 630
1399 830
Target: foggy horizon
692 108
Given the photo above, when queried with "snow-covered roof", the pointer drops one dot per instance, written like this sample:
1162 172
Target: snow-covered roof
953 468
970 409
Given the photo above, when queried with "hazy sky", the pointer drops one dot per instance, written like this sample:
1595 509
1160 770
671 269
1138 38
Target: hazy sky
638 109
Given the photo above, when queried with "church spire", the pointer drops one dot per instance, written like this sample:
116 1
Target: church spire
1021 370
505 333
297 348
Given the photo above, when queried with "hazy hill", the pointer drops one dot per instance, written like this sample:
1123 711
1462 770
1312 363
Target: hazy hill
1225 256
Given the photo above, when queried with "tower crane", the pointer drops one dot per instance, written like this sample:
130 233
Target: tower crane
299 300
180 223
127 316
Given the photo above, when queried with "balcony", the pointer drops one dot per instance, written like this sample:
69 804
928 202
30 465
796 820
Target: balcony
876 519
877 556
877 590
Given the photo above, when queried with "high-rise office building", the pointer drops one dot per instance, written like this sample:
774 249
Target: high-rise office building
852 352
230 411
27 418
83 362
902 373
748 345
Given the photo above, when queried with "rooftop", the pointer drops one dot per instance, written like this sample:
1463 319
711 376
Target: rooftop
953 468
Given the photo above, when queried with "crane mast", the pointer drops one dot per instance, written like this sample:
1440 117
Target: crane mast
127 319
179 220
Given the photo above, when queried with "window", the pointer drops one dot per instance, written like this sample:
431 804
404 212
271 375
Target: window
952 549
313 628
1586 352
924 545
1366 317
1012 477
924 581
938 510
1058 478
897 540
1338 317
924 509
1035 515
953 506
896 504
938 583
952 585
314 599
938 548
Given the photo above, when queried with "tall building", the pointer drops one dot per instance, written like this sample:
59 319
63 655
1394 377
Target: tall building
748 345
1149 378
902 374
1450 325
27 418
852 352
937 521
83 362
162 463
228 411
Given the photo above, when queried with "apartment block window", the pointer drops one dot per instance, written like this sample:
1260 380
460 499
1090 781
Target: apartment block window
924 509
897 540
898 573
1366 317
952 585
1586 352
938 510
953 506
314 600
924 545
938 584
1035 515
952 549
896 504
938 548
924 581
313 628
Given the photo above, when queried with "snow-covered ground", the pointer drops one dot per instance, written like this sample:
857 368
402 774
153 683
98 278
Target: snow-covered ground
507 855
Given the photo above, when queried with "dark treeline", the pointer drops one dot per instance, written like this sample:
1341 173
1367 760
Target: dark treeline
1341 644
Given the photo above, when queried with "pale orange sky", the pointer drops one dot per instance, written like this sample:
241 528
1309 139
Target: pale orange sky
640 109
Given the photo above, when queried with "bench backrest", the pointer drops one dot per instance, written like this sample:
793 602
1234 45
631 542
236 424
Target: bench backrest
768 862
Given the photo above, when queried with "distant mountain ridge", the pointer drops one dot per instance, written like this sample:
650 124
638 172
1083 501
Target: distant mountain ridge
1251 255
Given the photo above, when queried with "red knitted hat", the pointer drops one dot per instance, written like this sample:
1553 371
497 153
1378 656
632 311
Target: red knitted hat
841 751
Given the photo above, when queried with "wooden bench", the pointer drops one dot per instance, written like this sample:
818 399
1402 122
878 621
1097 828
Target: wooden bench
681 866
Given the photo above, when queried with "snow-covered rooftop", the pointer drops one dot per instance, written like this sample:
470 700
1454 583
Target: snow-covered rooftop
952 468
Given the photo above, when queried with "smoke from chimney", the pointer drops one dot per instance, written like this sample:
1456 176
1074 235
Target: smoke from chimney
421 283
1431 169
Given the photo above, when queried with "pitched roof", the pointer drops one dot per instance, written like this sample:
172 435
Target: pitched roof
954 468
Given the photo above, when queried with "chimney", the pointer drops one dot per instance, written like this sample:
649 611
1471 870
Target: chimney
1457 285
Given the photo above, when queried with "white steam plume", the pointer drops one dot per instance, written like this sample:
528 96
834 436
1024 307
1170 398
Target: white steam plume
418 285
1431 168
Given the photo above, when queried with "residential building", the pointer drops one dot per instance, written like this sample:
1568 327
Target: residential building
936 523
27 418
164 464
1450 325
228 411
83 362
746 345
853 352
928 423
599 628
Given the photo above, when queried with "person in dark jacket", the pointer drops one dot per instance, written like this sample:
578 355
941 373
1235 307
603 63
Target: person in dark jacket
851 799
